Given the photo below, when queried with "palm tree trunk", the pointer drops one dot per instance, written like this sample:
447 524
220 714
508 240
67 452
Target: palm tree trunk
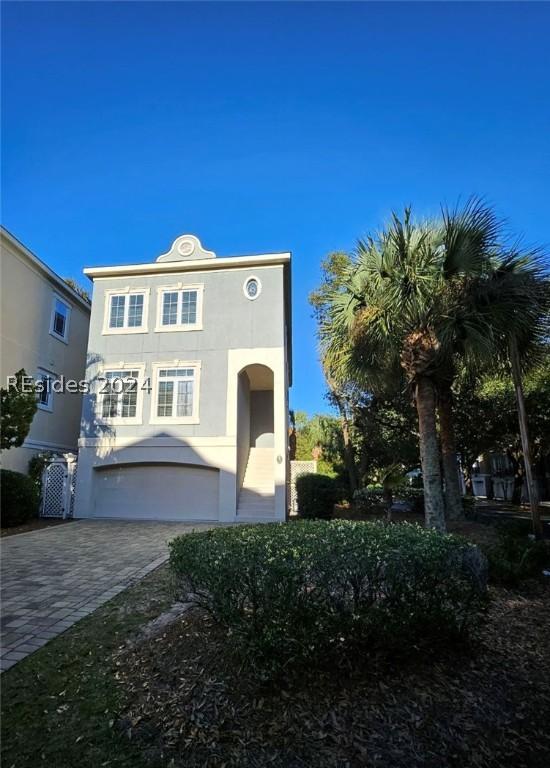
453 497
349 453
525 444
429 454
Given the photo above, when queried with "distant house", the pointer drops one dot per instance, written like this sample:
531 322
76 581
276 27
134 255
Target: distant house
45 331
189 363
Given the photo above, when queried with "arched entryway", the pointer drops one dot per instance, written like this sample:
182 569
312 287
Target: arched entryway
255 442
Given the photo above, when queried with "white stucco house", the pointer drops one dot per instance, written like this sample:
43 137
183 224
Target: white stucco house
189 364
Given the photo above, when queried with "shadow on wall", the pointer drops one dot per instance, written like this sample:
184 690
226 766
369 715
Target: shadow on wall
156 476
92 425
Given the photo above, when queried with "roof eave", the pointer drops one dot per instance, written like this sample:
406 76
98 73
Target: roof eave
195 265
42 267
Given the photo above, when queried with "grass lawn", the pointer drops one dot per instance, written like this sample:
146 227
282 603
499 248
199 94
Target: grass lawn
101 696
60 706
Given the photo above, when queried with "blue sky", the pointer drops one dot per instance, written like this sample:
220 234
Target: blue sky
264 127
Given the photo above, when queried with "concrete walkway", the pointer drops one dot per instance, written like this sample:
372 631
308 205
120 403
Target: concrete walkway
53 577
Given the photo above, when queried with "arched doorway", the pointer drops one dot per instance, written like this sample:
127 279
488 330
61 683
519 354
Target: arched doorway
255 442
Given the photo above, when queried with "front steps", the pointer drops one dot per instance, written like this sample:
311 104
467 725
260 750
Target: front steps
257 496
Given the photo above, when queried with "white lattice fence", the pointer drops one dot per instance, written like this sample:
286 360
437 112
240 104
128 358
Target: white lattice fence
298 468
58 487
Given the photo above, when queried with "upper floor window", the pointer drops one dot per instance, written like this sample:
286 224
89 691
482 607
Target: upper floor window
120 395
175 394
59 323
180 308
125 312
43 381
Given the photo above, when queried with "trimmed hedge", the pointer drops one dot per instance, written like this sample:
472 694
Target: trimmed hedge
317 495
19 498
315 590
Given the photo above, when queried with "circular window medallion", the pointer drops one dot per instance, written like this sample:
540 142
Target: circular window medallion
186 247
252 288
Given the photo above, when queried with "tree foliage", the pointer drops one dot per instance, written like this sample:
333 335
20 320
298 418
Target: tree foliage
77 288
18 409
486 412
319 438
420 300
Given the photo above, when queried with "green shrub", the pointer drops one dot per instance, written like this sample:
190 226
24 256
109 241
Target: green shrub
36 467
317 590
369 500
317 495
372 500
516 557
415 497
19 498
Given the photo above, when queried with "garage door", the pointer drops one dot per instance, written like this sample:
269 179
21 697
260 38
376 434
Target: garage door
156 492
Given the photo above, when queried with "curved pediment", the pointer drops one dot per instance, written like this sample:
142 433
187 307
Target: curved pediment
186 248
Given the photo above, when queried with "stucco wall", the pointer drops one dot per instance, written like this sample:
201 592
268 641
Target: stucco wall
27 296
261 419
230 321
236 332
243 427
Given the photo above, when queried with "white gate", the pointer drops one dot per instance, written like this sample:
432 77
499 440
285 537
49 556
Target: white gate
298 468
58 487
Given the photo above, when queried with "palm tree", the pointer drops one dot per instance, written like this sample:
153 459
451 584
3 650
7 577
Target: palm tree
497 305
470 245
381 318
523 278
425 297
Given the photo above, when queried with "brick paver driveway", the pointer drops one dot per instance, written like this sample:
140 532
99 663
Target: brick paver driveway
53 577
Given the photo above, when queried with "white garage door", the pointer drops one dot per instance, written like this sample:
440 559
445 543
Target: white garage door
156 492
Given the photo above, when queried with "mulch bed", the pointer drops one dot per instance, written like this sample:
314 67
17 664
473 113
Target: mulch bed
33 525
486 706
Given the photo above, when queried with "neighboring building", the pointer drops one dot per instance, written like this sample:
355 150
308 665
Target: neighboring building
189 367
45 331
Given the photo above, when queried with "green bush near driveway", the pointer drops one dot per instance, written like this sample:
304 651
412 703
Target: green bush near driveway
19 498
317 495
307 591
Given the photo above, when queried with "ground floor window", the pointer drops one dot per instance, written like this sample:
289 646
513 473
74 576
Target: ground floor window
119 392
176 393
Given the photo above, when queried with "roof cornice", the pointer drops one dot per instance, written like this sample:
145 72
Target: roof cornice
196 265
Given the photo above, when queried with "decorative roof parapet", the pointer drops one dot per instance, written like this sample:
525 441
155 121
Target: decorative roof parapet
186 248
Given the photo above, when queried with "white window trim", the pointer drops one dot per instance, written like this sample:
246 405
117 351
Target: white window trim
65 338
258 281
143 328
194 418
162 289
53 377
121 420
